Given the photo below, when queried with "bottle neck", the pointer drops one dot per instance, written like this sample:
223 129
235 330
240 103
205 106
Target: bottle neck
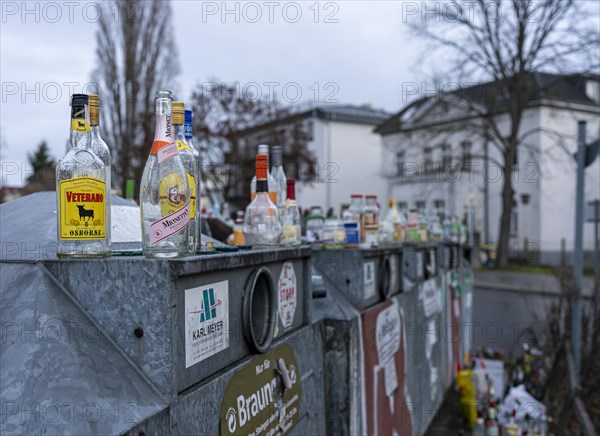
179 132
188 131
291 192
95 131
80 136
164 128
262 185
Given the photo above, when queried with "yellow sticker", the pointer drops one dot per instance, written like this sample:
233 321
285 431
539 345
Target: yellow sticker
172 194
181 146
82 208
80 125
192 185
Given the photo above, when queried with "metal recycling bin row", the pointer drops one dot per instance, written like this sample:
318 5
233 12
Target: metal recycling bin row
283 341
211 344
391 340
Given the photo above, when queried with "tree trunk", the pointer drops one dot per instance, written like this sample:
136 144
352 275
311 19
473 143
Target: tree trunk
507 205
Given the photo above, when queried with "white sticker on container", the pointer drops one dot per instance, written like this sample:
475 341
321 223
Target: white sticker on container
431 297
206 321
369 276
287 294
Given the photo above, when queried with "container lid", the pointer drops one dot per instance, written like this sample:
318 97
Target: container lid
356 196
370 196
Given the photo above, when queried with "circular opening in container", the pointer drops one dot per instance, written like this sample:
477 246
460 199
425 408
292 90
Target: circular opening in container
259 310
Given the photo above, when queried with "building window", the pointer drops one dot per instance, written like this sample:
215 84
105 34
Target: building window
402 205
420 205
400 155
427 159
467 156
446 156
310 129
514 220
439 205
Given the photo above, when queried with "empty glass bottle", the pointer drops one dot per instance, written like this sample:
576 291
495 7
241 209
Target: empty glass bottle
271 188
191 163
164 193
290 218
370 221
81 191
262 227
279 178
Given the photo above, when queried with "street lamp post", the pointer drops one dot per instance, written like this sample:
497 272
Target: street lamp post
525 200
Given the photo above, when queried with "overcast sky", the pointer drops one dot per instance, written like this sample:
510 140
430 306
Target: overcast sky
356 52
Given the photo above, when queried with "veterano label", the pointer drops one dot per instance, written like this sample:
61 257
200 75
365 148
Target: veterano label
82 209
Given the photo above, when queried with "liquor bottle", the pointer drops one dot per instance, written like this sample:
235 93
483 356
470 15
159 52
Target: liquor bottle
81 191
100 149
264 149
261 221
370 221
352 219
164 191
290 218
314 224
238 229
279 178
191 164
392 225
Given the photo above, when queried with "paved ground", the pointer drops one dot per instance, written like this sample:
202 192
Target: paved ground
515 281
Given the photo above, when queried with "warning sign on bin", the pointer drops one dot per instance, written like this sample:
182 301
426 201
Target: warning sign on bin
256 402
206 321
287 294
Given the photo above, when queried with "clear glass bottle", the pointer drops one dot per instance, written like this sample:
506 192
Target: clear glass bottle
264 149
81 191
352 220
191 163
290 218
100 149
279 178
314 224
262 227
164 191
370 221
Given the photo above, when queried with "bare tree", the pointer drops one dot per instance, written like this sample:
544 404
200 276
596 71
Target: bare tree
505 42
136 56
228 125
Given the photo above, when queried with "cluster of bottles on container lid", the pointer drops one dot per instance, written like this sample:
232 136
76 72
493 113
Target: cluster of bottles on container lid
83 183
272 218
489 422
170 185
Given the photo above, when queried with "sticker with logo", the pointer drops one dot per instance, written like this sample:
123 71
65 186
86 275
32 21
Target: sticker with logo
206 321
287 294
82 208
369 278
172 191
257 400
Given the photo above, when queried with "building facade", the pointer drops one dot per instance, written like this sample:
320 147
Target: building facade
438 154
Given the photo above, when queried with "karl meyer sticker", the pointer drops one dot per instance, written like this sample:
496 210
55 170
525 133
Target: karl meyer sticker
264 397
287 294
206 321
369 275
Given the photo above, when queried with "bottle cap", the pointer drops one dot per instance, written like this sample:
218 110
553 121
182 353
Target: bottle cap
178 110
263 149
261 167
356 196
188 116
79 99
164 94
276 155
94 109
370 196
291 189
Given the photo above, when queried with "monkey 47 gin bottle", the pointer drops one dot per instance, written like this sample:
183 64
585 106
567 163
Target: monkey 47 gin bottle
164 194
82 213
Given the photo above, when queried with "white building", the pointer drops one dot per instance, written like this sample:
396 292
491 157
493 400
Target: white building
435 153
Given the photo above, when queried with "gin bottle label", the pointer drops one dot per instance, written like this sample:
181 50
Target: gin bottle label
82 209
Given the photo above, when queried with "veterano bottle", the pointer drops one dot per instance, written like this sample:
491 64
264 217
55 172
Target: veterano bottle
81 191
164 191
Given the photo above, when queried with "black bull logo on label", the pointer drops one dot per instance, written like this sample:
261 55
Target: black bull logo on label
84 213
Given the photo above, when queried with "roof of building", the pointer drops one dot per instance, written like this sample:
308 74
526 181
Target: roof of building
541 86
357 114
